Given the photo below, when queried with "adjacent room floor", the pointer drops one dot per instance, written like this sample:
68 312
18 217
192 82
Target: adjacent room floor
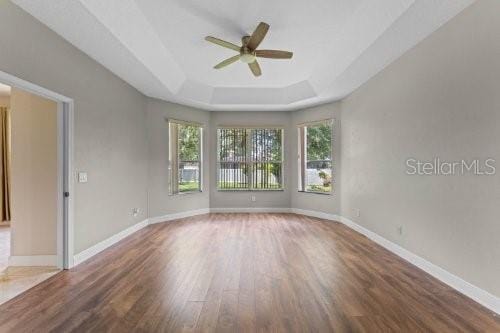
16 280
4 247
245 272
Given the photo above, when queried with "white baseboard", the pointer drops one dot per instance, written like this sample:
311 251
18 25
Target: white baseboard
95 249
250 210
175 216
477 294
43 260
321 215
101 246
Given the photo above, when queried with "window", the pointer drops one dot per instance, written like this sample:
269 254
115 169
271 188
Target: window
315 157
249 159
185 142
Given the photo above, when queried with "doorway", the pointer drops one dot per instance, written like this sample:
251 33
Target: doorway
45 193
5 213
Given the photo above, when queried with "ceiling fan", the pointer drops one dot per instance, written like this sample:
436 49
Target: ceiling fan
248 52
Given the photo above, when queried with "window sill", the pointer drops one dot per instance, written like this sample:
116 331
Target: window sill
320 193
185 193
245 190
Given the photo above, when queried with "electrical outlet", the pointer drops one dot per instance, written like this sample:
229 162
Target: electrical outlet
253 198
135 211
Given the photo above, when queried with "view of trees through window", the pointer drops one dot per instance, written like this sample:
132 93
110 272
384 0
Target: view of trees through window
249 159
189 158
316 157
185 157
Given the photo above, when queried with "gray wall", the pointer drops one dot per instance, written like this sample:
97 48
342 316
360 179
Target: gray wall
235 199
110 123
160 202
441 99
313 201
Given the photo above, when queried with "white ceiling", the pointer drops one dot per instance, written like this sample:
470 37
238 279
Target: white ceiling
158 46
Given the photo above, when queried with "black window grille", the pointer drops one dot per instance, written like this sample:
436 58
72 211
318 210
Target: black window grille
250 159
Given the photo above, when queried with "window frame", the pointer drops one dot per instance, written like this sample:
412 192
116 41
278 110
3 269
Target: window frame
302 155
174 190
249 158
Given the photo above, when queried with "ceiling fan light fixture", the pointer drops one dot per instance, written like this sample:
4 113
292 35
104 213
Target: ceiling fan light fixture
248 50
248 58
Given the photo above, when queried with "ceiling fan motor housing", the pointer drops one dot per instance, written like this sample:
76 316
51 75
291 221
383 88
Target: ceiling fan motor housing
247 56
248 52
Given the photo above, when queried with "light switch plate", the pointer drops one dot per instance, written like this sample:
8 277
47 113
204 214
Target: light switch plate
82 177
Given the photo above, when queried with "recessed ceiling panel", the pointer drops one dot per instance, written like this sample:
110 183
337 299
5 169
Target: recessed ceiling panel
158 46
303 27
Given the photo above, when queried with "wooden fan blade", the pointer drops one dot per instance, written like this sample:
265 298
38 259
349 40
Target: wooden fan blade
274 54
227 62
223 43
255 68
257 36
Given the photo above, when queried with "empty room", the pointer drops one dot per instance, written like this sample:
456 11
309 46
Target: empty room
265 166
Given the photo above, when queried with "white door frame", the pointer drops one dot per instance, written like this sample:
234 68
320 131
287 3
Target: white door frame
65 182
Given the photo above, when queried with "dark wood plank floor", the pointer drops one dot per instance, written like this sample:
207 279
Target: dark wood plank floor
245 273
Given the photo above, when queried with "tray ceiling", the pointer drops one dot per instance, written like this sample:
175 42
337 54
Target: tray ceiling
158 46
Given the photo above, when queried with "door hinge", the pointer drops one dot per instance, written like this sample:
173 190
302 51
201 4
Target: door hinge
66 194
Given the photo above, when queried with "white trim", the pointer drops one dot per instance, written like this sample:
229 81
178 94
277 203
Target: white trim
101 246
477 294
43 260
175 216
316 122
184 122
69 185
317 214
11 80
60 185
250 210
65 137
